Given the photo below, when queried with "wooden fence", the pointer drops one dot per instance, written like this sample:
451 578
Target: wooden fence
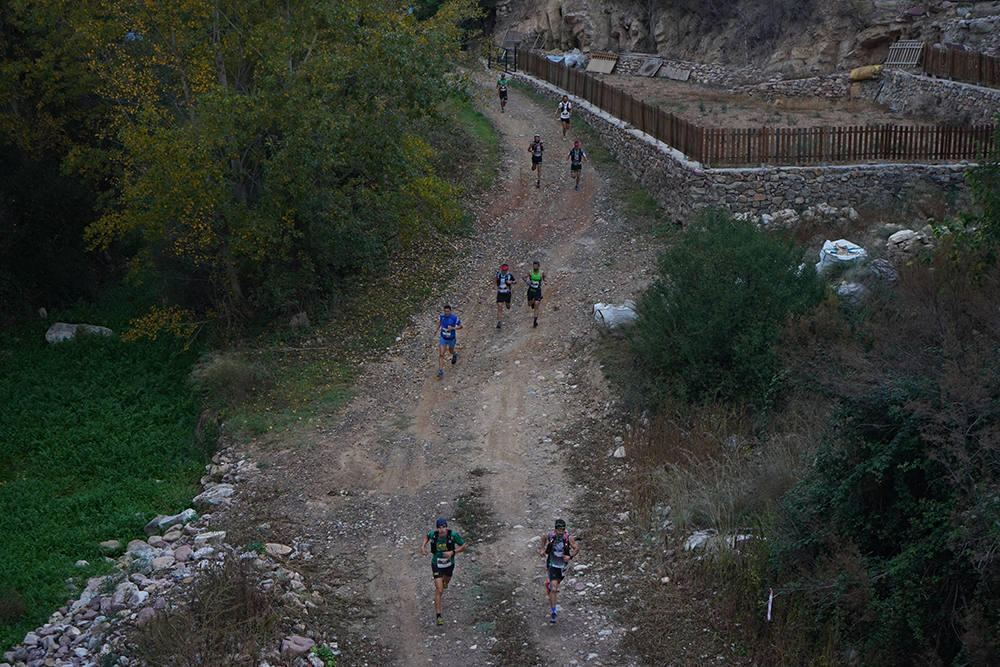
967 66
718 147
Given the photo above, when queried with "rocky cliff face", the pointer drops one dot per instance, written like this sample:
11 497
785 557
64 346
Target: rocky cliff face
800 37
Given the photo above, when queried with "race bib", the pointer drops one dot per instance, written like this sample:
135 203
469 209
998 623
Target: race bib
444 562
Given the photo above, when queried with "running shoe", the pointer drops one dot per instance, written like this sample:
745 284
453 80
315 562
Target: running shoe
577 187
553 619
440 372
454 357
536 322
499 325
441 620
538 183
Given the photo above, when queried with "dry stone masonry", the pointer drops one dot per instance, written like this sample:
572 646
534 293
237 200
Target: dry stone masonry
681 185
943 100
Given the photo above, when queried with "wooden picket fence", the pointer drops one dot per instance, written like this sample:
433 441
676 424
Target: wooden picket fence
966 66
728 147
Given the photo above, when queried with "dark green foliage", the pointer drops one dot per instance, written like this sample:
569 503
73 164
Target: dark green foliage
907 489
708 328
95 437
43 261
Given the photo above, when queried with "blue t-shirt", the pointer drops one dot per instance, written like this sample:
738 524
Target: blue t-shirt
449 321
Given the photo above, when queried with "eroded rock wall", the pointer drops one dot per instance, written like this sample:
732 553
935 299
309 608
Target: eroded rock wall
795 37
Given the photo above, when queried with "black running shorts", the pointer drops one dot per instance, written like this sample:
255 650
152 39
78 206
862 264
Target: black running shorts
503 297
441 571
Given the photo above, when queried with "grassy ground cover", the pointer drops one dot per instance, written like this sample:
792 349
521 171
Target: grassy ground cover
95 438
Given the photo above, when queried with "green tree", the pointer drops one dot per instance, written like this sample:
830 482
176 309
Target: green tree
892 538
263 151
49 107
708 327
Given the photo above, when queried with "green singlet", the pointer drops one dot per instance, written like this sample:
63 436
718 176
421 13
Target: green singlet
439 544
535 279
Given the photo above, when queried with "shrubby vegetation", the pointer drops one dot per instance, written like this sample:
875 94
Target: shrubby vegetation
708 328
247 161
872 488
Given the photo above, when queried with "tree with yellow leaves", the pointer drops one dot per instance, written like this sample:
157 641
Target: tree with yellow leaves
262 152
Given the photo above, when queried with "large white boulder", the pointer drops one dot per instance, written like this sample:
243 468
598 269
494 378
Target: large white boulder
63 331
839 253
609 316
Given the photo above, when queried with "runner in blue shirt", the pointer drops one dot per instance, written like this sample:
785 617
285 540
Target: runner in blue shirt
446 330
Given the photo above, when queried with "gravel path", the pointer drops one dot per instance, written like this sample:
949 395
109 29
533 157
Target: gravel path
487 444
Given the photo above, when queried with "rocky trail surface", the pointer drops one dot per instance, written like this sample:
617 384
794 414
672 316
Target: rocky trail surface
486 445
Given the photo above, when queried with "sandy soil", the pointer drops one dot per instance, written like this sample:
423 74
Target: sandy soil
711 107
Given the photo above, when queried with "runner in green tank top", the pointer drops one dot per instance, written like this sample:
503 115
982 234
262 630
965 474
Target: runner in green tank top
442 544
502 90
534 280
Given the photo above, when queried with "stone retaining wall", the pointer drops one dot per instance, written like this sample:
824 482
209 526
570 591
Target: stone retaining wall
943 100
684 186
706 74
829 86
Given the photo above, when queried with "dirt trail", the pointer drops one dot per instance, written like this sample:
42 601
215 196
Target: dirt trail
492 431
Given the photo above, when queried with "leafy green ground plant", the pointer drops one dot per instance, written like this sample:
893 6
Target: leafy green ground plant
96 435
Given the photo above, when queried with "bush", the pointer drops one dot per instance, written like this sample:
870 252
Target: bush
228 621
707 329
892 538
226 378
95 438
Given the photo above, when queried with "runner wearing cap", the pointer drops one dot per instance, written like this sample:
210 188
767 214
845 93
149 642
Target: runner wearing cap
576 157
536 148
559 547
448 324
504 281
444 544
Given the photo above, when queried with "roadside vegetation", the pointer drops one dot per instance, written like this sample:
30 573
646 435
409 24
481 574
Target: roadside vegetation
96 436
844 457
200 192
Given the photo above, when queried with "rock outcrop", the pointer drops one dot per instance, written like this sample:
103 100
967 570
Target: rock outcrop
801 38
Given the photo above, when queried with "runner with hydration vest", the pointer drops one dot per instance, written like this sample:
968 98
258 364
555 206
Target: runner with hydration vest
565 110
536 149
559 547
446 328
504 280
502 90
444 544
534 279
576 157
